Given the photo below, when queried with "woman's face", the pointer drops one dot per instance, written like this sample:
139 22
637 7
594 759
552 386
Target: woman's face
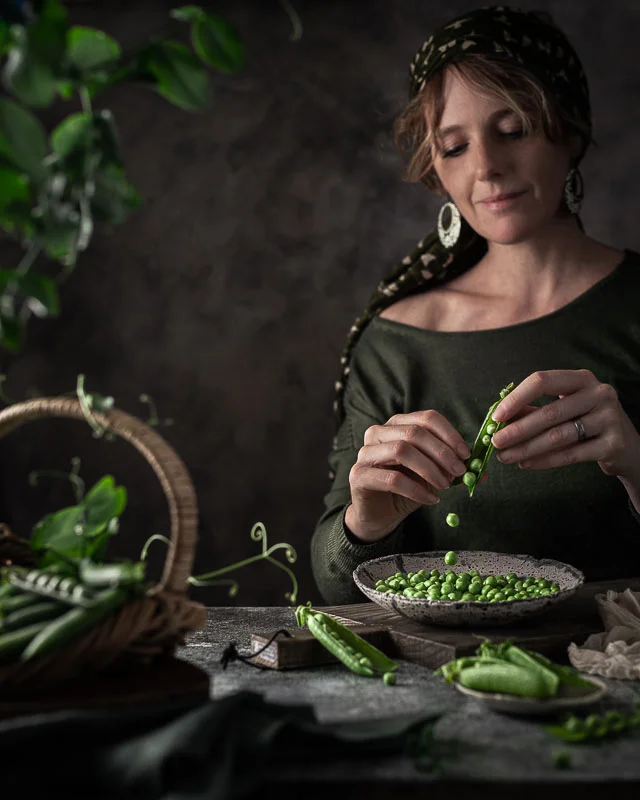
486 155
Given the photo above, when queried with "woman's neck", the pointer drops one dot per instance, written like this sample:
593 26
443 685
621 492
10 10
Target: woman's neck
535 273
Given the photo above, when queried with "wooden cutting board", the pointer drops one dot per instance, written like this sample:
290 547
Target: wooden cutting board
433 645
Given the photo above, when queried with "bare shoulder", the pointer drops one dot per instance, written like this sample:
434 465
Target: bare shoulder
413 310
399 310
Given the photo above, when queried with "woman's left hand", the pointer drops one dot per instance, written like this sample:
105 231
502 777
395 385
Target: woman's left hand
545 437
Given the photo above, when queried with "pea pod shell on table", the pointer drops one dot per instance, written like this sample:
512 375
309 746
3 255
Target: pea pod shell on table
380 661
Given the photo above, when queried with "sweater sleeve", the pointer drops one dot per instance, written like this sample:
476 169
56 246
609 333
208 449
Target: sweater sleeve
335 551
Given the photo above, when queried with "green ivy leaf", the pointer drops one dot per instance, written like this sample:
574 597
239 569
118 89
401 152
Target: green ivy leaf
114 197
59 230
14 187
22 139
37 288
107 139
66 89
16 217
187 13
72 134
11 333
89 48
180 78
218 43
35 59
41 293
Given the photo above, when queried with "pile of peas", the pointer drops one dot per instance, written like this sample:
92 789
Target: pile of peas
467 586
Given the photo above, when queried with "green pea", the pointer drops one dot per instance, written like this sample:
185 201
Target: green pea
574 725
562 760
435 573
389 678
451 558
469 479
453 520
475 465
486 440
490 580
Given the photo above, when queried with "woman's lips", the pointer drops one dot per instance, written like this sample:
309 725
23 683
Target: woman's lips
497 205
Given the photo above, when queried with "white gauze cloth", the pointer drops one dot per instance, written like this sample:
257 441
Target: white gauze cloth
615 653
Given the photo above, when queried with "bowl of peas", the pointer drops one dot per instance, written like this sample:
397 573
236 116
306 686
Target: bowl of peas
471 587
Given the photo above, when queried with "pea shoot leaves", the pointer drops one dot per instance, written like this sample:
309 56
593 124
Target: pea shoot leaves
82 530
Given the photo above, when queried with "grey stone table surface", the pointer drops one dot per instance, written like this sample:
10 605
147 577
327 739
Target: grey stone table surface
491 747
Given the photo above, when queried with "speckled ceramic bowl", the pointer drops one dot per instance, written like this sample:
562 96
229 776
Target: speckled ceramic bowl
467 612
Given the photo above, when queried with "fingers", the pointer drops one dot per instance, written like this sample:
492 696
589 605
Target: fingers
413 446
433 422
394 480
553 383
399 453
548 428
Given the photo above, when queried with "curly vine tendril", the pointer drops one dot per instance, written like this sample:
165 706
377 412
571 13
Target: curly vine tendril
258 534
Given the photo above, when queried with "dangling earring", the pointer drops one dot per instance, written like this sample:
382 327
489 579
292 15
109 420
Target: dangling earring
449 236
573 190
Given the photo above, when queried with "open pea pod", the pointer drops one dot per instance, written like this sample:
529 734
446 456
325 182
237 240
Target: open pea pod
522 658
481 451
379 661
566 675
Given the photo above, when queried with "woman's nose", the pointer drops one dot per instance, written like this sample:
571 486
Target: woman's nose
487 161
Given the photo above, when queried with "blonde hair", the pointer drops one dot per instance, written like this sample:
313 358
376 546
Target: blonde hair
414 129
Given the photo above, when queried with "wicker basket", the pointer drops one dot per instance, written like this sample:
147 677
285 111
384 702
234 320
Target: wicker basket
146 627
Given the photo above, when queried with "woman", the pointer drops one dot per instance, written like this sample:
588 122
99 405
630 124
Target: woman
506 290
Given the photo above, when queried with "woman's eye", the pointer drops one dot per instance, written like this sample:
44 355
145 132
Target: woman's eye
455 151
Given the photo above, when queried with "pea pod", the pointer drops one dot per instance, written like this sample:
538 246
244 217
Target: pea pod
7 589
337 638
22 600
451 670
56 587
504 678
103 575
566 675
73 622
38 612
595 726
13 643
337 647
482 448
521 658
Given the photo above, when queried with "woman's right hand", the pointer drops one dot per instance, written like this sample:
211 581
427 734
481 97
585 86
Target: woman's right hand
401 466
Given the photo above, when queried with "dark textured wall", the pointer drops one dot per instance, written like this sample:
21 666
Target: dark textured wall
268 221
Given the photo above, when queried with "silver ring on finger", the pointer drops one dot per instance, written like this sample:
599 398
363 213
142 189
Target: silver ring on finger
580 428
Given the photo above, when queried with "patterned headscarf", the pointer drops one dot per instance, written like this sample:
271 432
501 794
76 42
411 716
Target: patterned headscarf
502 33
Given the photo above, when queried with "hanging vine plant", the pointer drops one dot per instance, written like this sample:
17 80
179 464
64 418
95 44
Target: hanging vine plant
56 187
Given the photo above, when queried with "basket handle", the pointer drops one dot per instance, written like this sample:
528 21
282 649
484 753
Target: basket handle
167 465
